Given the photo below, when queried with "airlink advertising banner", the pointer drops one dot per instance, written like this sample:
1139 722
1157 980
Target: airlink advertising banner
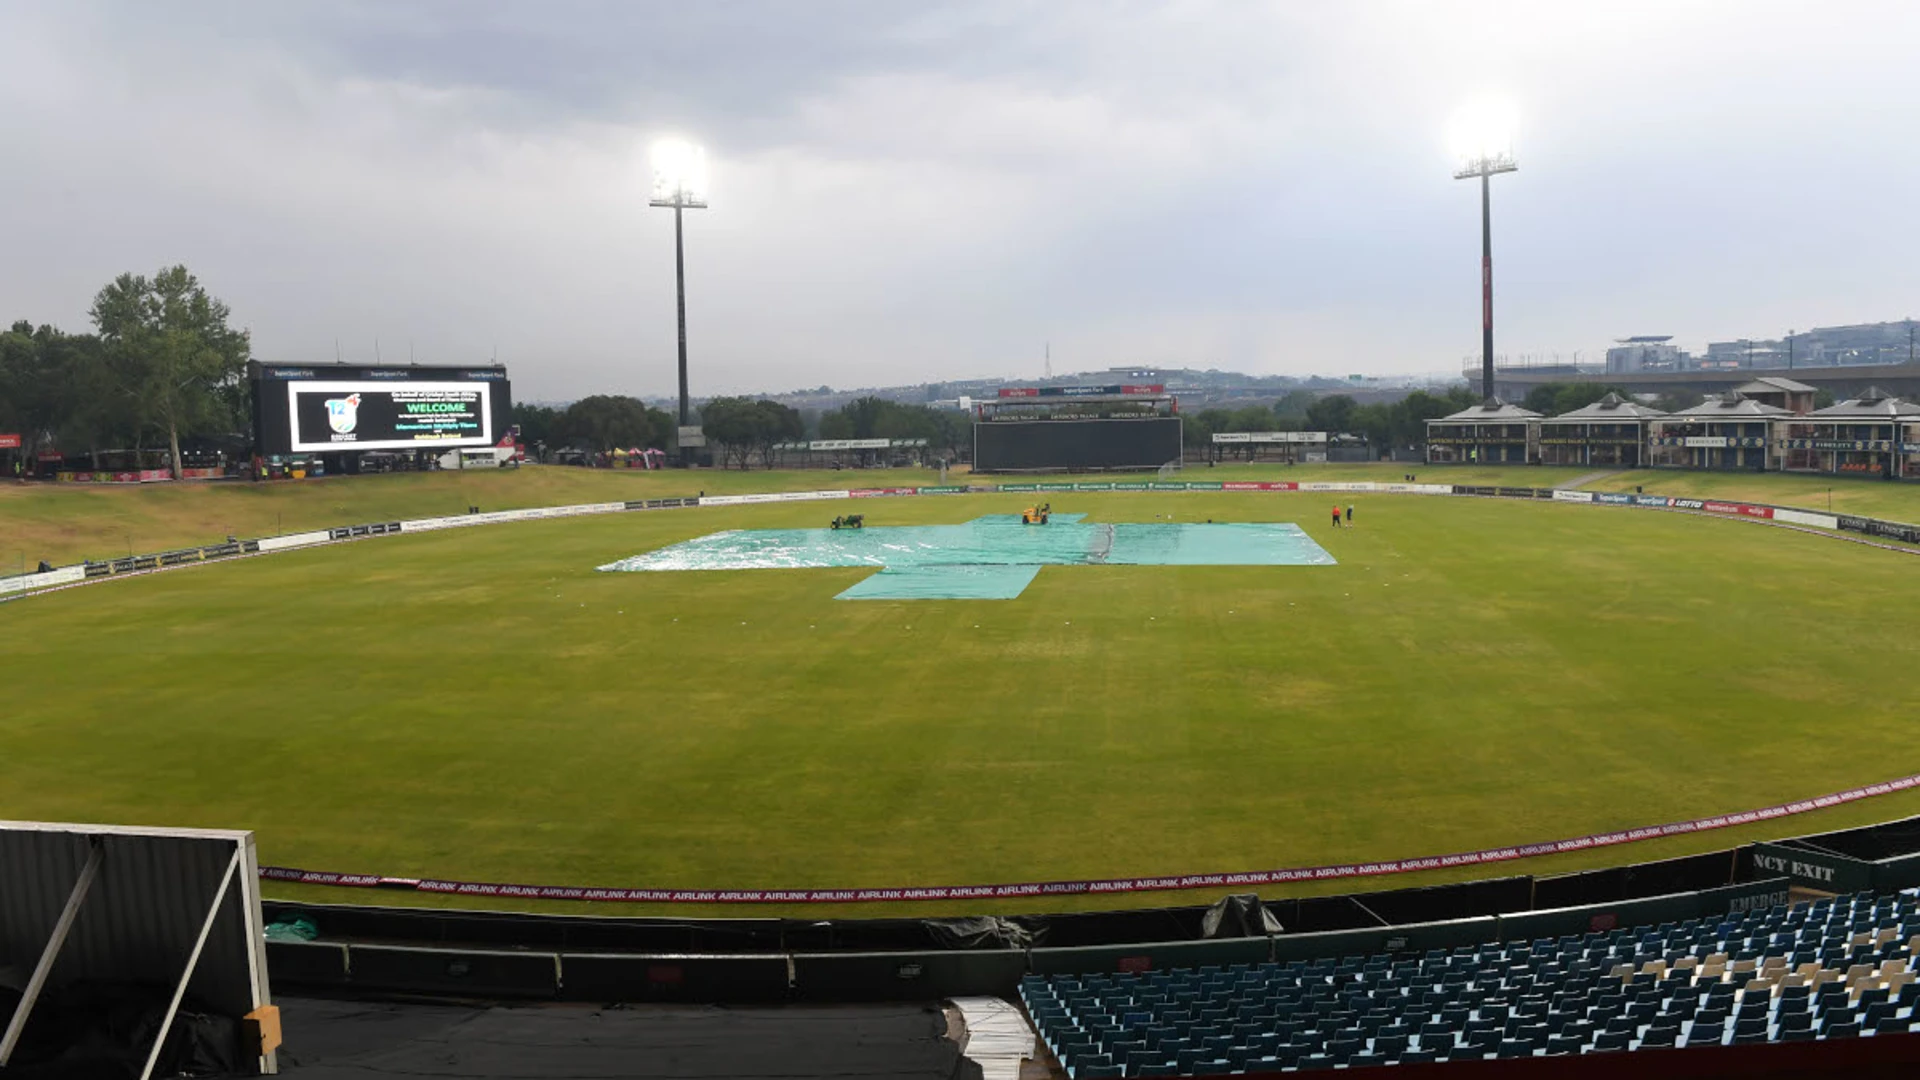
389 416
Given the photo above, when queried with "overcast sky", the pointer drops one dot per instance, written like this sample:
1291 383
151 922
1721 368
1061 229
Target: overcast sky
903 192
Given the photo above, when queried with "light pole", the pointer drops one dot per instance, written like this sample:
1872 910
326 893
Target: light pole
680 182
1483 146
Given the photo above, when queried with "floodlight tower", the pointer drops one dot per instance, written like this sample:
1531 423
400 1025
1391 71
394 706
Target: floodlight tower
1483 146
680 181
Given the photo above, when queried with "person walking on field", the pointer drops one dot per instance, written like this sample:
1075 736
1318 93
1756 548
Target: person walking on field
1336 517
1349 515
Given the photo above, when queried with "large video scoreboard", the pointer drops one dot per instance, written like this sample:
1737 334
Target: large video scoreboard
1074 428
348 408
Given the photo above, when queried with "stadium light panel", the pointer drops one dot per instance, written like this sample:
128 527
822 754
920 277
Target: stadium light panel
679 174
1481 138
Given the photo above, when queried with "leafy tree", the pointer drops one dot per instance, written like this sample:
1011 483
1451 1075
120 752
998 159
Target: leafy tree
1413 412
56 386
1332 414
1675 401
605 422
1553 399
880 418
171 346
1294 407
743 428
1252 418
1375 423
1822 398
537 423
1540 399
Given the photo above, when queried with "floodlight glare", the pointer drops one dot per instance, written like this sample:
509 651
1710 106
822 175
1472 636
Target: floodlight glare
1481 137
679 174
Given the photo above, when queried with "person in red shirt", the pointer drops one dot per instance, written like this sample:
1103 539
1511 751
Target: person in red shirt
1336 517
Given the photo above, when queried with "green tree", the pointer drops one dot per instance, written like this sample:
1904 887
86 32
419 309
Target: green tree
880 418
1374 423
538 424
1822 398
1332 414
1293 407
170 344
1578 395
1413 413
743 428
1252 418
605 422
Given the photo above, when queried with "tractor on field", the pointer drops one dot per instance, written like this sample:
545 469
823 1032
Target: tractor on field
1037 515
850 521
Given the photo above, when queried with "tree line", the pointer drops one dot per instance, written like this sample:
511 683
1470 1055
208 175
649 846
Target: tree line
162 365
739 430
1400 423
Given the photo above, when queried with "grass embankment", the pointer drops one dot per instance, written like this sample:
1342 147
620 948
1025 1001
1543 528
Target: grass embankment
66 523
481 704
1889 500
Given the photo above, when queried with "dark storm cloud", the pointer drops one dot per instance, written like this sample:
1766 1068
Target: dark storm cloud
913 191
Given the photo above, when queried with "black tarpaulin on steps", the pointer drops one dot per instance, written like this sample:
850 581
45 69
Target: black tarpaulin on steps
347 1040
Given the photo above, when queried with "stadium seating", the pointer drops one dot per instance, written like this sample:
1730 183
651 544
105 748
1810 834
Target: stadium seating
1832 969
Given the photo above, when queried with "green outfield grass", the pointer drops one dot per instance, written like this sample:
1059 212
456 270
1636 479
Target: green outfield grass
482 704
1888 500
65 523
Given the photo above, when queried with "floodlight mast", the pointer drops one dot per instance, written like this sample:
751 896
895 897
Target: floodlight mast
680 182
1484 165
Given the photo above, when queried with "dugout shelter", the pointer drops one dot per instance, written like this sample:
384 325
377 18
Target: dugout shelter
129 950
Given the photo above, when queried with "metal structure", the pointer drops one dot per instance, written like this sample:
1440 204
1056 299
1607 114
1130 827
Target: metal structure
680 182
1487 154
170 907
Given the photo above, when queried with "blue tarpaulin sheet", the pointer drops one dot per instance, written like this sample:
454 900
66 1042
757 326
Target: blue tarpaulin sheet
988 558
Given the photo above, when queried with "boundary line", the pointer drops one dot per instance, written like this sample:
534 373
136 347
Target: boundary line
1090 887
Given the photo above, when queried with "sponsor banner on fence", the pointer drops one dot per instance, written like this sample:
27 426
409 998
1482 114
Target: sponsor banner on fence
1110 885
1743 509
1252 485
499 516
295 540
1892 530
66 575
868 493
1572 496
1801 517
776 496
944 489
1093 487
1018 487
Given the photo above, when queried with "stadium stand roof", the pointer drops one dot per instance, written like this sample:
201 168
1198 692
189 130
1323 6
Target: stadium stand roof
1613 407
1773 384
1734 406
1492 410
1872 404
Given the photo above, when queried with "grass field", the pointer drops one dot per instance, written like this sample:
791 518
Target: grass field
67 523
482 704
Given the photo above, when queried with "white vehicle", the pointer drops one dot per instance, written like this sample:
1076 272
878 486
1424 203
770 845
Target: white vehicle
481 457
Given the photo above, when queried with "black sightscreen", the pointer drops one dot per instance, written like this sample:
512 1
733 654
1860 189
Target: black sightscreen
1013 446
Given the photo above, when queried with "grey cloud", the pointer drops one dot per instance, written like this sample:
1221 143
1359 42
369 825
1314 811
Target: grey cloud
909 191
